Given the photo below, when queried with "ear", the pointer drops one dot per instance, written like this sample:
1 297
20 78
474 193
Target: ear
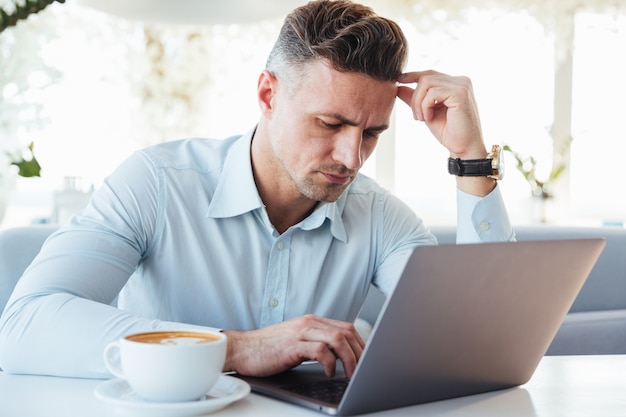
266 91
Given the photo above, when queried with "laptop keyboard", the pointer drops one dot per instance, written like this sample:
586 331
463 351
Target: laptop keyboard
329 391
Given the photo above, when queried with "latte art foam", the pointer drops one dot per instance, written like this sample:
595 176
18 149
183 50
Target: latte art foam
174 338
183 341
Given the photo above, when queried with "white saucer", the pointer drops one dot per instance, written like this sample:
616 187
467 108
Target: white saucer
226 390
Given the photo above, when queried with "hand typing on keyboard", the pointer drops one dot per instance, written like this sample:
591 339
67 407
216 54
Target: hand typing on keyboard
282 346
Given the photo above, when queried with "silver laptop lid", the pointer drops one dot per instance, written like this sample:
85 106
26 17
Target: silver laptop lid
462 320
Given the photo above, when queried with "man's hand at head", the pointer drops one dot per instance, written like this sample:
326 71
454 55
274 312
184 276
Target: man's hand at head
446 104
282 346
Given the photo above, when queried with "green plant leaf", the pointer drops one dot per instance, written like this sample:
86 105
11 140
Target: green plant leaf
22 10
28 167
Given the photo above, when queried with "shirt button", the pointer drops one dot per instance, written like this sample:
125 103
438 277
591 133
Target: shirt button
280 245
273 302
484 226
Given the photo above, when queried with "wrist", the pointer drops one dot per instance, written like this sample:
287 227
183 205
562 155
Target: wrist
478 153
490 166
232 343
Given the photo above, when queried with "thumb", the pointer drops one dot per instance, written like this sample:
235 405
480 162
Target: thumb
406 94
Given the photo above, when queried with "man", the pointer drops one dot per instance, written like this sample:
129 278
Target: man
272 236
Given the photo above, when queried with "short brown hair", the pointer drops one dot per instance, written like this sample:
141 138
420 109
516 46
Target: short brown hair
350 36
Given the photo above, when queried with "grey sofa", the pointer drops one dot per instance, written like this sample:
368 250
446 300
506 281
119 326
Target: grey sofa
596 323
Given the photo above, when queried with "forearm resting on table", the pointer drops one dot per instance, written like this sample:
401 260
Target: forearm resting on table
63 335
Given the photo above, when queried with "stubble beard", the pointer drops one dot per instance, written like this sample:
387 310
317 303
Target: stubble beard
313 186
319 192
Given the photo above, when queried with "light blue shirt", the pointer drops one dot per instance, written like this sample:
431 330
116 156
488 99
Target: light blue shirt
178 237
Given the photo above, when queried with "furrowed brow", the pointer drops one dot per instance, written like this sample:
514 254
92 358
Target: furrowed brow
348 122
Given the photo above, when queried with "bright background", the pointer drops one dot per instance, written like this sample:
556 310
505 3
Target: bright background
89 88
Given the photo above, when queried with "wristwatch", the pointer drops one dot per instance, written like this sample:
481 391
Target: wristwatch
492 166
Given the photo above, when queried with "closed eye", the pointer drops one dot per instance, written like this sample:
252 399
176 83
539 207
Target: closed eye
331 125
372 134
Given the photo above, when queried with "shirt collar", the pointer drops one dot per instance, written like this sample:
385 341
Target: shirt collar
236 193
332 212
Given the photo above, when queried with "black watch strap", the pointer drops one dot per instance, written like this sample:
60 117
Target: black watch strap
470 167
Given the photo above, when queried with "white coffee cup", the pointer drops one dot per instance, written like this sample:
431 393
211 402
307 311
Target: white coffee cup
168 366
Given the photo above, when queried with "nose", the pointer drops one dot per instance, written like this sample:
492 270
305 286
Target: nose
347 150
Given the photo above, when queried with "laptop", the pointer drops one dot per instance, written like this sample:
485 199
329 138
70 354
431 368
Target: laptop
462 320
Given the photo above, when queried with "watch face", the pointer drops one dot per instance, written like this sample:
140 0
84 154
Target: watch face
497 162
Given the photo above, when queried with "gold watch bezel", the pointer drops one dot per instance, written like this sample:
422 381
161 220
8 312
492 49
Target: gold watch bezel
497 165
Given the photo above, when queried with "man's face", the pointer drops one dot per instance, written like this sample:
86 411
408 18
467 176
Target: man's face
322 131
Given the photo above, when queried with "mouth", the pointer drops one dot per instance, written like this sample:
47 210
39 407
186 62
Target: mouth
338 179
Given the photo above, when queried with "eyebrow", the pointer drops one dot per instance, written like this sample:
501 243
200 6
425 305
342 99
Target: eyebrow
352 123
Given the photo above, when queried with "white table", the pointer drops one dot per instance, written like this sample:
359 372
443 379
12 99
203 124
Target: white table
568 386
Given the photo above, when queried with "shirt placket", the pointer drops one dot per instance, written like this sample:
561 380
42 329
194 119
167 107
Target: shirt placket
275 294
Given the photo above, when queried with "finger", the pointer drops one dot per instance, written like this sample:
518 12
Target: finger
320 352
352 334
341 339
414 76
406 94
433 99
413 96
423 99
414 99
350 359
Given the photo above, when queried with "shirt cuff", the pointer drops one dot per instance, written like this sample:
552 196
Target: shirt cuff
482 219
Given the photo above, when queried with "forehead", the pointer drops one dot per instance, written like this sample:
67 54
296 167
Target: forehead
343 92
321 71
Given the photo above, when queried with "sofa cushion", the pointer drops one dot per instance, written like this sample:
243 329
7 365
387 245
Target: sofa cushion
591 333
18 247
